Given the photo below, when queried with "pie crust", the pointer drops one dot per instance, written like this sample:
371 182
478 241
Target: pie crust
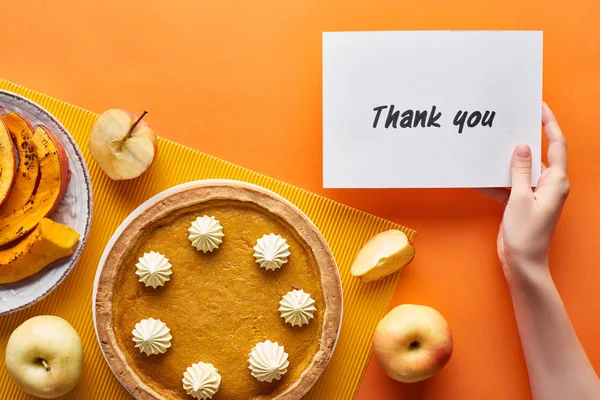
206 191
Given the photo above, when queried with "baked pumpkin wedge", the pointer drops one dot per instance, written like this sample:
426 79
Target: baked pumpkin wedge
48 242
63 160
53 179
27 172
8 163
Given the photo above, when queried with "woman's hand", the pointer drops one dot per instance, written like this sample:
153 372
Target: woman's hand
530 216
556 362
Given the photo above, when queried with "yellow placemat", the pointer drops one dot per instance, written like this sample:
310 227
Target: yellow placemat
344 228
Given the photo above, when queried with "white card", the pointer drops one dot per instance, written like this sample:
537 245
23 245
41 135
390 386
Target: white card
462 101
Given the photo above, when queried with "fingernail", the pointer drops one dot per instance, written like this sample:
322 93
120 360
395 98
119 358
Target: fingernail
523 151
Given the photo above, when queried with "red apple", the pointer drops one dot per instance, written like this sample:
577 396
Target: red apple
411 343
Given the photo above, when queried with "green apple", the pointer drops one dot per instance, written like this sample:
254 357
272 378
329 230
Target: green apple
44 356
411 343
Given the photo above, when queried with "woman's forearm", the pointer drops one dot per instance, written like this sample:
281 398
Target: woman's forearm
556 362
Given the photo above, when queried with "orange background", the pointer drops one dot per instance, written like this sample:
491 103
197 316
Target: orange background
241 80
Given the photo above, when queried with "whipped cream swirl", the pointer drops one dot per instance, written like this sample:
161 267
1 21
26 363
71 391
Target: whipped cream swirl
201 380
297 307
153 269
268 361
152 336
206 233
271 252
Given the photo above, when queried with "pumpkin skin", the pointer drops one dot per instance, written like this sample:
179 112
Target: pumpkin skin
8 163
28 168
53 179
64 169
48 242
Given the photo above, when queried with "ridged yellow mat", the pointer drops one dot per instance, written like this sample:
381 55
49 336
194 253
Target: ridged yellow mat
344 228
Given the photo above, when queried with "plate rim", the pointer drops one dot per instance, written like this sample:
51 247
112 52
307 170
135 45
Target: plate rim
154 199
74 258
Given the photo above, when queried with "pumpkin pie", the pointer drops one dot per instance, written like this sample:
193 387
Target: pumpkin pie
218 304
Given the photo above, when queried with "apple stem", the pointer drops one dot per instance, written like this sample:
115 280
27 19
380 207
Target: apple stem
135 123
45 364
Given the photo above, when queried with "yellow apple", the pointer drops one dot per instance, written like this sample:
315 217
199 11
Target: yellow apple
384 254
123 144
411 343
44 356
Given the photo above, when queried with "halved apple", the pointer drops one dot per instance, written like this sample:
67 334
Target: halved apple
54 176
48 242
28 169
123 144
384 254
8 163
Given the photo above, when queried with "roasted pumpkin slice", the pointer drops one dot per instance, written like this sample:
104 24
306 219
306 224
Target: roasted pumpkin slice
63 159
27 172
53 179
8 163
48 242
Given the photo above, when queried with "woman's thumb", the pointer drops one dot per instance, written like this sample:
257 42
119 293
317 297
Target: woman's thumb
520 169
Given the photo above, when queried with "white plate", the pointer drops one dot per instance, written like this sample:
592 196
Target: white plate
156 198
75 210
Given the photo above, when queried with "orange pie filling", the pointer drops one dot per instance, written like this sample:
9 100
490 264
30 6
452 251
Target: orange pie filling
219 304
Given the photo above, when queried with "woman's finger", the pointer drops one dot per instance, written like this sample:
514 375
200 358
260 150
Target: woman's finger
557 144
497 194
